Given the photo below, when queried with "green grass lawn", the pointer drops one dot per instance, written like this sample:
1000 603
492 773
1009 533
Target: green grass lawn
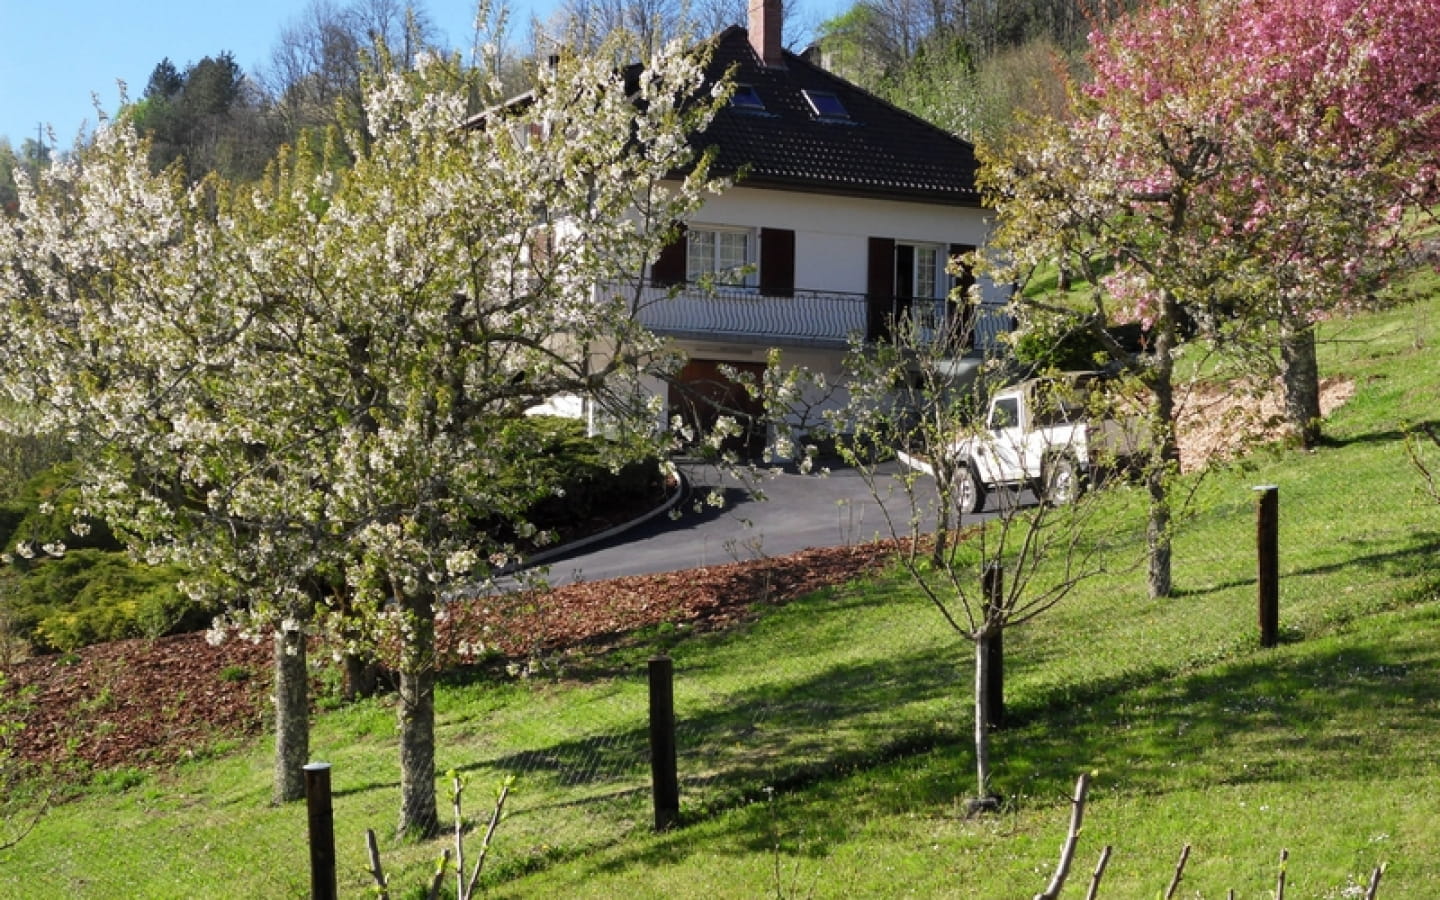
851 706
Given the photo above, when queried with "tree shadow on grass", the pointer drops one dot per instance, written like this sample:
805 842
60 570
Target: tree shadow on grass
1344 707
1419 553
696 640
780 736
760 733
1392 436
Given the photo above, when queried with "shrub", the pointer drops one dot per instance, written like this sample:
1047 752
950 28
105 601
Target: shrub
235 674
95 593
23 456
12 513
593 482
1054 344
48 503
90 595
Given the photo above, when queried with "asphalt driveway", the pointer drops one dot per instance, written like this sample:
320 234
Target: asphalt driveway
799 512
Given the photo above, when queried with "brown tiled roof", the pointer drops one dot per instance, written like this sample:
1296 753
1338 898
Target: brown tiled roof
878 151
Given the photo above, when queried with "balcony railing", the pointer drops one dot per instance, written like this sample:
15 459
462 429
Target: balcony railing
807 318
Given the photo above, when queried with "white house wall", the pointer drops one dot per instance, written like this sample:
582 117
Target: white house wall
832 236
831 232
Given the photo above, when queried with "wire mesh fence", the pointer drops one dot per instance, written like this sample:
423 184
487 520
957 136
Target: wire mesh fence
800 692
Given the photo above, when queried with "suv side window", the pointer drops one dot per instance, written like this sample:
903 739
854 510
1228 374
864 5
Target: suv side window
1054 408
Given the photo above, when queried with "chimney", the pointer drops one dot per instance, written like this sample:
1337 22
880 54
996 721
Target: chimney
765 32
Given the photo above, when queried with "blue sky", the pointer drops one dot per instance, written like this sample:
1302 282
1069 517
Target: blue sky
57 53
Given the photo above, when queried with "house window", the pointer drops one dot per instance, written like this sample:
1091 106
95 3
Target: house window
920 271
827 107
747 98
526 134
927 276
921 284
539 247
718 256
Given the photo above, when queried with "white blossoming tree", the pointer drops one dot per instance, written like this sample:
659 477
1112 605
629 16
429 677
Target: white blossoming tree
314 382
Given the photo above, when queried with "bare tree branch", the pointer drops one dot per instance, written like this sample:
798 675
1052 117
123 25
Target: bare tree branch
1072 838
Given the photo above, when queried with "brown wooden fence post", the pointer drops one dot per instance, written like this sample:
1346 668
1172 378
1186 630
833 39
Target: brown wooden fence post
993 587
1267 552
321 814
664 777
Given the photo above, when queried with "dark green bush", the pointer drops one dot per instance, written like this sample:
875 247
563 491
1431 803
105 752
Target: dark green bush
1055 344
23 456
12 513
597 494
91 593
1044 345
570 479
49 501
563 481
88 596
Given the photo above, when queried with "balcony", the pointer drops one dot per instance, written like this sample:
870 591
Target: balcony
809 318
806 319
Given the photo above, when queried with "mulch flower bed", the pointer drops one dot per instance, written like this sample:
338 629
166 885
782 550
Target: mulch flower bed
155 702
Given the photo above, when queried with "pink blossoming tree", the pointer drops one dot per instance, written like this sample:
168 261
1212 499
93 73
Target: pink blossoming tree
1244 166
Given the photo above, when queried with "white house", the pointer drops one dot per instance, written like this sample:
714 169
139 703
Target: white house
843 219
841 223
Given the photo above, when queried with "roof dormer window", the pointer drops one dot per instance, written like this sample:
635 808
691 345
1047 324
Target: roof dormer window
826 106
745 97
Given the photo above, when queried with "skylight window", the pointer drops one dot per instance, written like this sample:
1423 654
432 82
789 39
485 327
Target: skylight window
827 106
747 98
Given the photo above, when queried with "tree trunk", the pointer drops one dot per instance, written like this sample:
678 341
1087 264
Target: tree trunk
362 677
361 671
292 713
982 718
1164 452
1300 373
992 580
416 709
945 503
1157 538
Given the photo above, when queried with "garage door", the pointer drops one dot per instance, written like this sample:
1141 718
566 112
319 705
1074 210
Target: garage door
701 393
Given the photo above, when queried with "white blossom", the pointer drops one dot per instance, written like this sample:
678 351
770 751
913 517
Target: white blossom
313 376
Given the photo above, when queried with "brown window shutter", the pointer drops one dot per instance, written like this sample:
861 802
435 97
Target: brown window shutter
777 262
541 247
880 277
669 267
966 279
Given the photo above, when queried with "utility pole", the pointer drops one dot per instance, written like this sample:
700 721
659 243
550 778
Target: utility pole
39 160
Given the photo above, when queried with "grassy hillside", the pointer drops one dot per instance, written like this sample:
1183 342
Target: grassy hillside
851 706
